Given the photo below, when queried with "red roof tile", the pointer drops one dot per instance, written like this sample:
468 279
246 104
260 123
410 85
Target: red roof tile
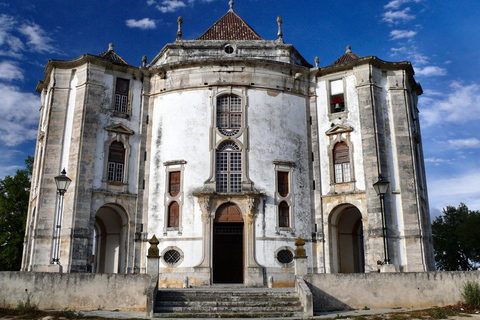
112 55
230 27
347 57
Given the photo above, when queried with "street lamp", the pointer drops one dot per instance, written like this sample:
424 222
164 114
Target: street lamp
62 182
381 187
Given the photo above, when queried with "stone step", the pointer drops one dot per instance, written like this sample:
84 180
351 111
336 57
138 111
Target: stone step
234 304
228 301
232 315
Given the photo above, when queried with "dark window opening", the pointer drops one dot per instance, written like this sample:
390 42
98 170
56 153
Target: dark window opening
283 215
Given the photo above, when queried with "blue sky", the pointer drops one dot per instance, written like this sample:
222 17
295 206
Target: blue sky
440 38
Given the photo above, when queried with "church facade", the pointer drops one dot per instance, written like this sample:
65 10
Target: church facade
228 148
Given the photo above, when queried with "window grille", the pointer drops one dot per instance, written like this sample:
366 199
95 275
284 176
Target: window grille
341 160
229 168
116 162
285 256
229 112
121 95
171 257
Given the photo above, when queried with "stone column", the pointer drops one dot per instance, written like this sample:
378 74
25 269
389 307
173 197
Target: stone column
153 257
300 258
254 274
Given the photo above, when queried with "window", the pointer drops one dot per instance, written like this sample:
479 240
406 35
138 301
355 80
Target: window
282 180
341 159
229 168
283 215
121 95
337 100
284 196
229 114
173 215
116 162
174 183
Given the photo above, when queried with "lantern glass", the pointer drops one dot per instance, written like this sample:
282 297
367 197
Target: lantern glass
62 182
381 186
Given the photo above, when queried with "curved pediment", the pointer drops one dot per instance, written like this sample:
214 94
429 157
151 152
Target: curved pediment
338 129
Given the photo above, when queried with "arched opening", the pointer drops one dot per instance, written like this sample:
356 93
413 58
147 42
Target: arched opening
347 240
228 245
109 243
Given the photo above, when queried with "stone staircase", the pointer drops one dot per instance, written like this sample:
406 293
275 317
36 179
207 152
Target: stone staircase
227 301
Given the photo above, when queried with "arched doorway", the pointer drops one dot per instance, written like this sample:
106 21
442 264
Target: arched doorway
109 243
228 245
347 240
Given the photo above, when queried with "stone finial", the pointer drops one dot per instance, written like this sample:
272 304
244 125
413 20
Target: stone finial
280 33
179 32
110 47
317 61
349 49
300 252
153 251
231 5
144 61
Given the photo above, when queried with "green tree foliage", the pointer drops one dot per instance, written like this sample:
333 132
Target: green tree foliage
14 197
456 239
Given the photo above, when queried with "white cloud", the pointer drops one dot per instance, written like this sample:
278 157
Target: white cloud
398 16
38 40
430 71
10 71
459 105
437 160
143 24
15 36
395 4
410 53
19 119
402 34
171 5
464 143
453 190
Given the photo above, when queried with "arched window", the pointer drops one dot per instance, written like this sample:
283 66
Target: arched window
229 167
173 214
283 215
229 114
116 162
341 159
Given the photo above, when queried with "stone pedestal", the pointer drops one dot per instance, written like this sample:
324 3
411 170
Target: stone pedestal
153 257
54 268
300 258
387 268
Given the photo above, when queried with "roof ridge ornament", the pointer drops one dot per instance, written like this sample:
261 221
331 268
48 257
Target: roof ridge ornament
231 3
349 49
280 33
110 46
179 32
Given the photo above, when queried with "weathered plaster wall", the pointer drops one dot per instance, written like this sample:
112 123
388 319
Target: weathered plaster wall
77 291
387 290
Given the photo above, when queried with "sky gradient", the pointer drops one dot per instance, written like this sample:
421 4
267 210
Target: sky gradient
441 39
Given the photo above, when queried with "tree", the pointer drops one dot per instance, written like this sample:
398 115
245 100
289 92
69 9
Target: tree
456 239
14 197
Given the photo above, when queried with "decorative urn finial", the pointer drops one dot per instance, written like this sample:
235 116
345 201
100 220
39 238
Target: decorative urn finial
179 32
144 61
317 61
153 251
349 49
231 5
110 47
280 33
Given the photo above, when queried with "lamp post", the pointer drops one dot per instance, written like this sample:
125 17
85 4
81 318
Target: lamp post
381 187
62 182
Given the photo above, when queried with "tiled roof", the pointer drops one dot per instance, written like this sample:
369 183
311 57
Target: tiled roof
230 27
112 56
347 57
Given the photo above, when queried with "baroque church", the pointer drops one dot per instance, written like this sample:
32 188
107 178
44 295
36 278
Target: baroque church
228 148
